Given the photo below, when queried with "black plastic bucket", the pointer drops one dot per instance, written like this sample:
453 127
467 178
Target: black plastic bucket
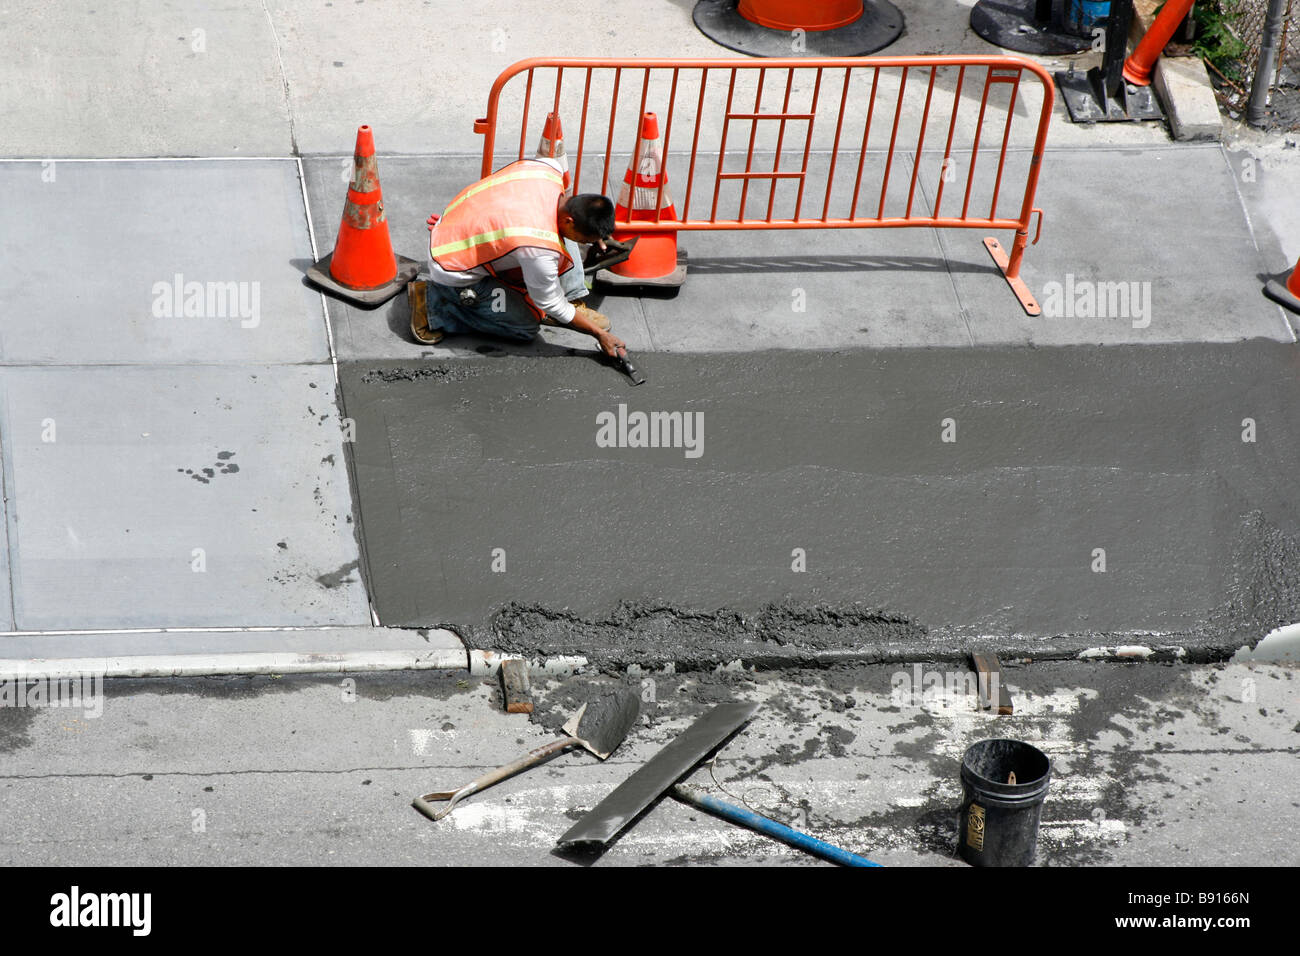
999 820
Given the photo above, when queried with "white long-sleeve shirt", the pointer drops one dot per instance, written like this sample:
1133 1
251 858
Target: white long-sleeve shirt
540 268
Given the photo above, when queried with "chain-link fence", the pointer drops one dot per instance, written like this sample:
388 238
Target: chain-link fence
1245 20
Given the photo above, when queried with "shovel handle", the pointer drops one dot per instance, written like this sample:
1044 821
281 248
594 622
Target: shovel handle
426 804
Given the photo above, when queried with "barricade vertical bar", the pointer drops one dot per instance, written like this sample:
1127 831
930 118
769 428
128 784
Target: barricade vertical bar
835 148
893 138
582 130
1006 138
635 164
780 140
559 82
947 149
695 142
975 147
722 146
523 127
668 132
866 134
609 141
807 144
920 144
753 133
1031 188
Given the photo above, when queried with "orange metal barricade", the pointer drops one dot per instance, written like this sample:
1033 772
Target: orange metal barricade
856 94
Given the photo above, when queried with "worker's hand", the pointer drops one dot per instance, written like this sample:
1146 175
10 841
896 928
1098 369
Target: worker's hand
612 345
432 221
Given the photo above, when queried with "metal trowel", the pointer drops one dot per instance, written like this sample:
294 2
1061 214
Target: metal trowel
648 784
614 253
599 726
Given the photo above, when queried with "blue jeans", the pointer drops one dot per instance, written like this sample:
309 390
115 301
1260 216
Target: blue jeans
499 310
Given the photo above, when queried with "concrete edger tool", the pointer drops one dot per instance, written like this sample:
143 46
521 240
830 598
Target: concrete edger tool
599 726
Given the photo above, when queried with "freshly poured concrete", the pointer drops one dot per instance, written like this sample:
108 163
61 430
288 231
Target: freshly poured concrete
167 262
1058 453
175 497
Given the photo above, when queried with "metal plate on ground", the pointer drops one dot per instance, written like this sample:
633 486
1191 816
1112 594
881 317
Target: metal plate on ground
665 768
880 25
1087 100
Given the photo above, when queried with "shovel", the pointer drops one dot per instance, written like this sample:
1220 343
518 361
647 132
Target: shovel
599 726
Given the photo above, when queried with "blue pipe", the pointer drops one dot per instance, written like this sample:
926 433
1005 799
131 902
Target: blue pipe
770 827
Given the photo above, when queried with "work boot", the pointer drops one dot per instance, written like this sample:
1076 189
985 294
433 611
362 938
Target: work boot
417 295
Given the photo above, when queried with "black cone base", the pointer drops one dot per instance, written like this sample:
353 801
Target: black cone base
1280 294
881 24
1012 24
319 276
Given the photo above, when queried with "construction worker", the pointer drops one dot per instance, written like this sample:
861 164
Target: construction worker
504 259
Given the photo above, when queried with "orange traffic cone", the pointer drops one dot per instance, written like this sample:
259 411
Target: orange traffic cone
362 268
1286 295
552 144
656 259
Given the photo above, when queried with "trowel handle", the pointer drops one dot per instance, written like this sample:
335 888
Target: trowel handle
425 804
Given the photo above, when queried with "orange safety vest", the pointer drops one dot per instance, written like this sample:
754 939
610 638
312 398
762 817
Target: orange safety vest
513 208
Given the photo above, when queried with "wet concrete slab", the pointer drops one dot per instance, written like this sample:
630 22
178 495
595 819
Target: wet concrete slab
174 497
170 262
482 483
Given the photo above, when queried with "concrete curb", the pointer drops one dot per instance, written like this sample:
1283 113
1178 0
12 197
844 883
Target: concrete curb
1183 84
1008 650
212 665
1279 646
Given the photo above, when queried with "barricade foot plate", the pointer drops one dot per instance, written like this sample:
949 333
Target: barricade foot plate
1282 296
1017 284
319 276
1011 24
670 281
881 24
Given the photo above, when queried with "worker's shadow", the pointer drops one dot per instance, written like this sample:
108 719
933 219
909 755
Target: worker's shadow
396 316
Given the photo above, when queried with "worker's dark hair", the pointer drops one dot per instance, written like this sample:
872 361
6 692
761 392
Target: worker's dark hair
593 214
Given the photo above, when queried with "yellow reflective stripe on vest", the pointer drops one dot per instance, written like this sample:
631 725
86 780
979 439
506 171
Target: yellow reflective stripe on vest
544 173
509 232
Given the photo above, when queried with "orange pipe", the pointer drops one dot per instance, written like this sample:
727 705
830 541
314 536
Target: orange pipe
801 14
1293 283
1138 67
